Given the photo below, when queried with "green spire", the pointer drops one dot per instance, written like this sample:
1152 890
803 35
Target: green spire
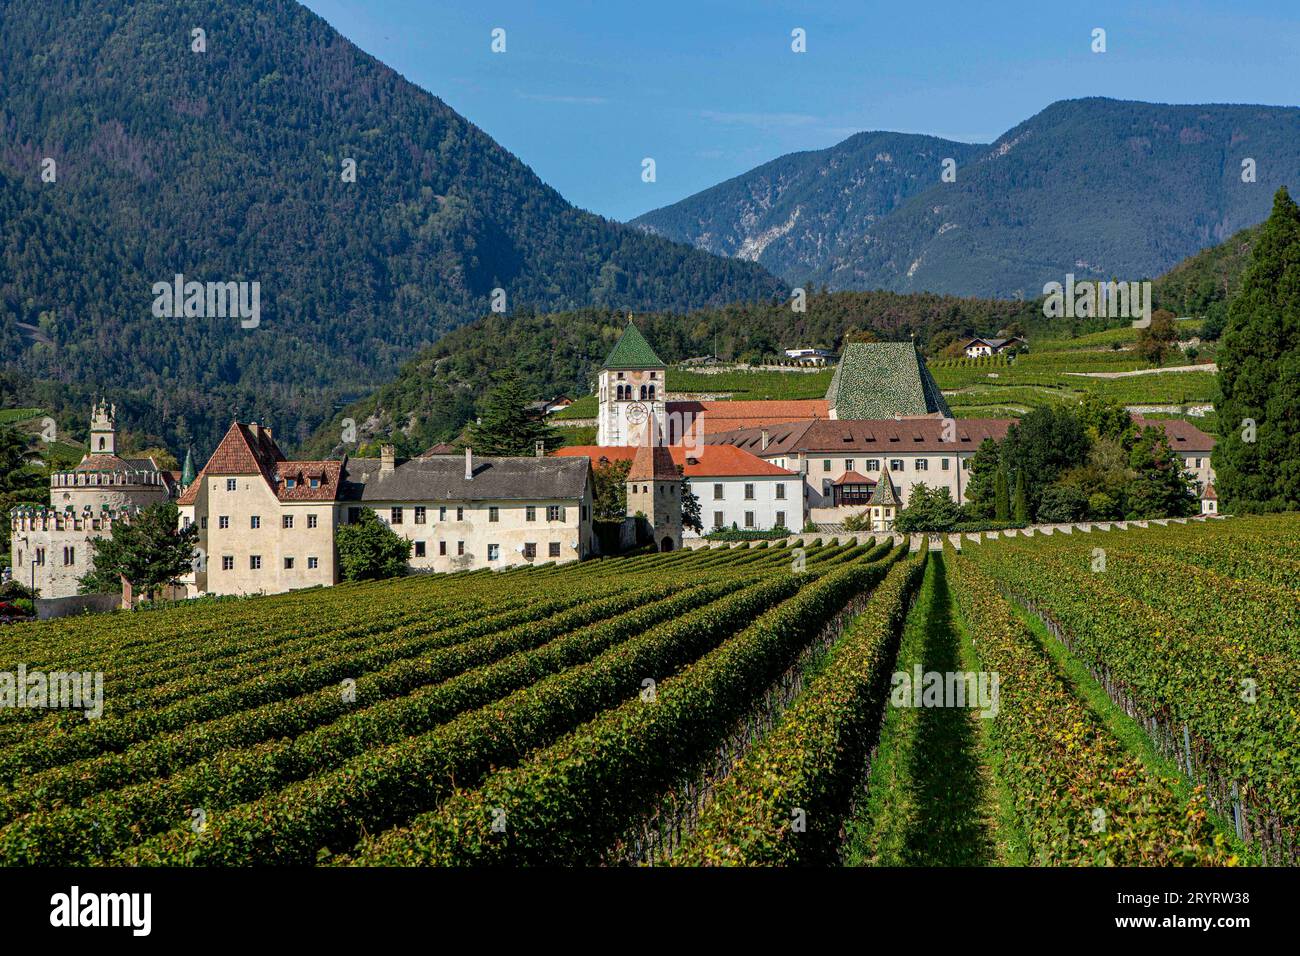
187 473
632 351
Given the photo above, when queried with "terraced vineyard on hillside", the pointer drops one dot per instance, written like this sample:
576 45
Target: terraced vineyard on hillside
722 706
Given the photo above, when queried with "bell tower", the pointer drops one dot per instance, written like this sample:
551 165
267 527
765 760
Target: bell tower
632 394
102 429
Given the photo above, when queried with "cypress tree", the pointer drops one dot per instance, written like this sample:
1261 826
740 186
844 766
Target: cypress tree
1022 500
1001 497
1257 457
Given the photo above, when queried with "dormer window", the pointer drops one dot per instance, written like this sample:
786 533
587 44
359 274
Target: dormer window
291 483
315 482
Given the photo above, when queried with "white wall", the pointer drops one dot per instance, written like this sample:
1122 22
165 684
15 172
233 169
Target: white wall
475 531
765 506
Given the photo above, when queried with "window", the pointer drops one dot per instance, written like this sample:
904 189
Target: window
494 552
749 492
255 562
530 551
780 519
354 515
442 514
69 555
717 491
185 522
255 521
460 514
848 464
652 393
895 464
1198 463
553 549
749 519
965 464
286 521
873 464
780 491
203 523
584 512
494 513
717 519
311 521
419 514
395 515
230 484
442 547
315 482
40 556
922 464
223 521
313 563
288 564
419 549
826 464
530 513
460 547
653 376
554 513
227 562
944 464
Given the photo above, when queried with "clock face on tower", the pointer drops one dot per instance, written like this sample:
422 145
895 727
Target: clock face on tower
636 413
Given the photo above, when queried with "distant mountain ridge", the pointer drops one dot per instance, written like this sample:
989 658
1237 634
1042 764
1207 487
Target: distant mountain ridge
1098 187
788 214
229 165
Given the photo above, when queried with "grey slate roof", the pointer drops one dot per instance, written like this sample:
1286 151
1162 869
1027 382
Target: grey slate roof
442 478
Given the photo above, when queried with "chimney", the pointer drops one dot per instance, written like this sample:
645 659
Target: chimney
763 440
256 429
539 448
469 463
387 459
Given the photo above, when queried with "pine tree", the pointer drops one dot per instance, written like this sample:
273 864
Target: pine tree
1001 497
1022 500
1257 458
506 425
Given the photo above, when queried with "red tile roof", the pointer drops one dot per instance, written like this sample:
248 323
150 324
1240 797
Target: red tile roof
1183 436
251 450
853 478
882 436
727 416
652 463
1209 493
708 461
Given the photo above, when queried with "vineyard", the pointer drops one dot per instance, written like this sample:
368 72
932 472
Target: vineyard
715 707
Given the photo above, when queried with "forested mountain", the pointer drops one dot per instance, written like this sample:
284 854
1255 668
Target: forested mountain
1098 187
228 165
792 213
1212 276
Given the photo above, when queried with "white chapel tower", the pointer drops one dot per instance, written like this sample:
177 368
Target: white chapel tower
102 430
633 399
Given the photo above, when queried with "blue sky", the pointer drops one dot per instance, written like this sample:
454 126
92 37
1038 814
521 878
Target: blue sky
711 88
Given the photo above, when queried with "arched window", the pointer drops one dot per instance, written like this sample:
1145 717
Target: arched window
101 444
643 393
652 393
